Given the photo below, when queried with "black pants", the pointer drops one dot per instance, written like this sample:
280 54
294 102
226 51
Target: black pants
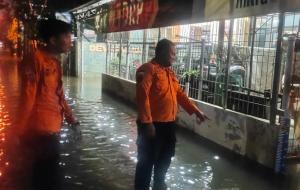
156 152
43 154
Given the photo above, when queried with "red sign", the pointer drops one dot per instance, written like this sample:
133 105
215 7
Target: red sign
132 14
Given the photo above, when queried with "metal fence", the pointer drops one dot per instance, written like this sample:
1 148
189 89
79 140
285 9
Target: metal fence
291 94
228 63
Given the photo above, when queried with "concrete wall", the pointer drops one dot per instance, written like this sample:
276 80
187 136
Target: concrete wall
122 88
243 134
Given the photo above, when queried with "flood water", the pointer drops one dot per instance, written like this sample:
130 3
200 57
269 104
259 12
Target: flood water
102 155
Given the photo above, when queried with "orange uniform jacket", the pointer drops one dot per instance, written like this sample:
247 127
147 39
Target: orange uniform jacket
42 100
157 93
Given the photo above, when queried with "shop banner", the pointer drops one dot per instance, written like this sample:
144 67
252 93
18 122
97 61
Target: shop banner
130 15
124 15
209 10
127 15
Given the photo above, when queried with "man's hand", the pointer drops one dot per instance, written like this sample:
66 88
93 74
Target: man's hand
76 132
201 117
76 124
71 120
149 130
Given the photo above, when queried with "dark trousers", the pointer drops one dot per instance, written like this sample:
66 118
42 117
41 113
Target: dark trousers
43 156
156 152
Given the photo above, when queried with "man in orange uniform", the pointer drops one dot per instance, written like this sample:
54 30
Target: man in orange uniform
43 105
157 92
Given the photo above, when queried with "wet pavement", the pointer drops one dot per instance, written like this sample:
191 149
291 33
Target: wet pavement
102 155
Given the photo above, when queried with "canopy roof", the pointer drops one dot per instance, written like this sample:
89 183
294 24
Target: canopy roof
122 15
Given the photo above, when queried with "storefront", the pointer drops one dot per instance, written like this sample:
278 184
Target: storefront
230 54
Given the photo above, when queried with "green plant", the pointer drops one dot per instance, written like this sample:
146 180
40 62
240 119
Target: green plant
191 73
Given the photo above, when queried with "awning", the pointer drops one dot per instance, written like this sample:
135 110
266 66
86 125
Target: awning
124 15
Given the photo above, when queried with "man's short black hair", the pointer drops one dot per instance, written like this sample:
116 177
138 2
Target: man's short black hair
52 28
163 48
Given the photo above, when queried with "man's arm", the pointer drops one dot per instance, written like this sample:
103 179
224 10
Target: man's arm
185 102
30 76
144 78
143 85
67 110
188 105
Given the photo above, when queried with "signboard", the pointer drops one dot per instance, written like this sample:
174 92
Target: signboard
208 10
139 14
86 14
132 14
222 9
97 47
124 15
131 49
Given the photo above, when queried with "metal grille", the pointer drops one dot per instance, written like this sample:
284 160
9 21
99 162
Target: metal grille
203 67
196 64
227 63
294 133
113 55
207 73
294 100
291 28
128 50
252 65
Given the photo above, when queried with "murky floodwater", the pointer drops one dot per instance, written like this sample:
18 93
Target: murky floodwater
104 155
